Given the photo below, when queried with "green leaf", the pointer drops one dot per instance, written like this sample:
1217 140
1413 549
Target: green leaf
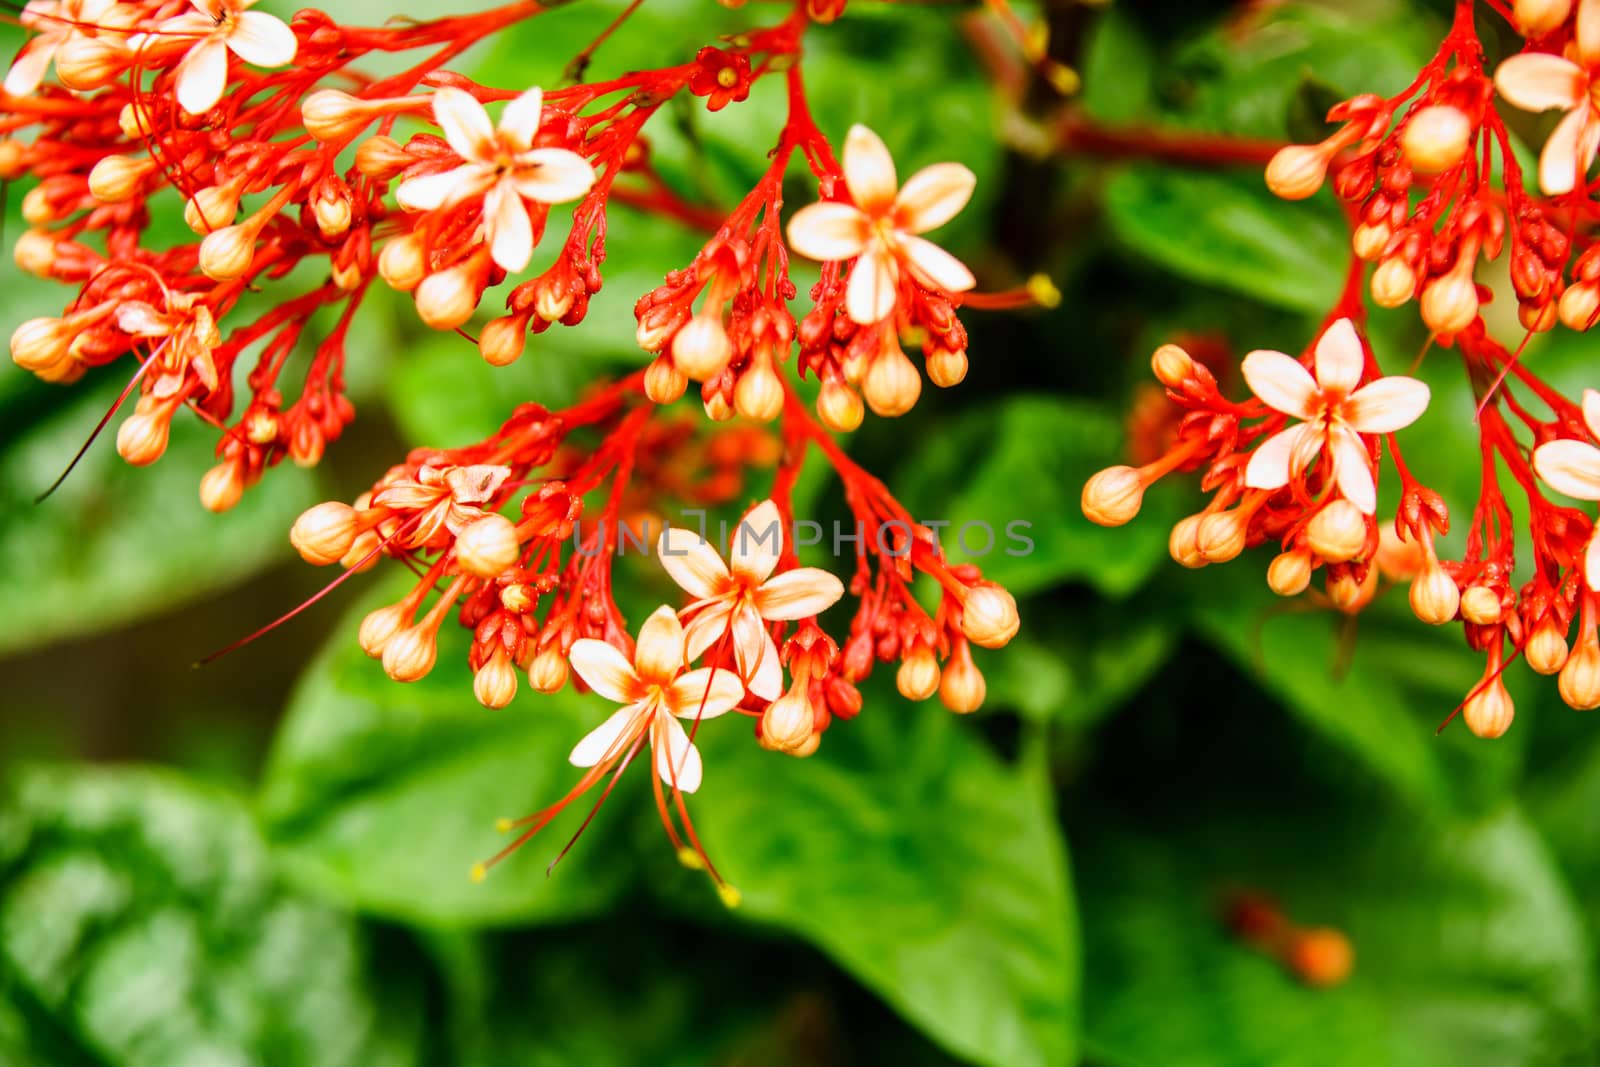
115 542
141 923
928 869
384 795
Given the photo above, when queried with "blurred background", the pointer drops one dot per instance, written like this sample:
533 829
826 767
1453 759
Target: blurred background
1193 825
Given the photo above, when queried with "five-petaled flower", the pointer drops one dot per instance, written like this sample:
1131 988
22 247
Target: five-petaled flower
442 498
57 23
1539 81
881 227
740 597
188 339
1334 411
501 163
655 693
1573 467
216 28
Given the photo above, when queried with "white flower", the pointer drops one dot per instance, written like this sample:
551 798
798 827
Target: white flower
742 596
222 26
502 164
58 21
1573 467
1539 81
881 228
655 692
1334 410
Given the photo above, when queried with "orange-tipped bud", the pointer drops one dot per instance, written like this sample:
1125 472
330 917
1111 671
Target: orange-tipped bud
380 626
1172 366
663 382
332 209
1546 650
446 299
363 554
86 62
324 533
495 683
1393 283
962 686
918 676
551 299
1436 138
1579 306
1349 595
1535 18
226 254
332 116
789 722
116 179
548 671
1113 496
1184 542
40 344
1489 711
1368 241
891 385
409 655
989 615
1338 532
503 339
717 407
35 252
403 262
1481 605
1297 171
945 368
1450 303
701 348
381 158
1289 573
211 208
1221 535
1435 597
759 394
487 547
142 437
1579 682
221 487
840 407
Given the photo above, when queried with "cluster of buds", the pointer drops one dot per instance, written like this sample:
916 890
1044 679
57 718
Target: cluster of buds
1431 193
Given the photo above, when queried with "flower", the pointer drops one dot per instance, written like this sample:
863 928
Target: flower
501 163
881 227
1573 467
1334 410
447 497
58 21
189 337
655 692
740 596
223 26
1539 81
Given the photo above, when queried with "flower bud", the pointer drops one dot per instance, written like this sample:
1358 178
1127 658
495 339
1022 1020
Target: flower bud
663 382
324 533
35 252
382 158
381 625
38 209
891 385
1338 532
552 299
486 547
989 615
1537 318
1436 138
1221 535
945 367
410 653
502 340
1579 682
1184 542
1290 573
1393 283
211 208
1535 18
548 671
1481 605
333 116
226 254
1368 241
1172 366
759 394
918 676
1546 650
789 722
1450 303
85 63
1435 597
332 210
1489 711
701 348
962 687
39 344
116 179
1321 957
446 299
1579 306
142 437
403 262
840 407
717 407
1297 171
1349 595
221 487
363 552
1113 496
495 683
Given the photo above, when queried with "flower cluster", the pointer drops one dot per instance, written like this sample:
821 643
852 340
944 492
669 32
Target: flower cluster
1432 190
304 178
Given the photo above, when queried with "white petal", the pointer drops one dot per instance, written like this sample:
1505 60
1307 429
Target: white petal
1569 467
1591 561
1282 456
933 196
604 669
202 76
260 39
1591 410
677 761
756 544
1339 359
1538 81
873 287
1568 153
691 562
933 267
28 71
465 124
798 594
433 191
598 743
519 122
658 654
1386 405
706 629
828 231
552 175
1282 383
1352 469
510 230
757 656
705 694
869 171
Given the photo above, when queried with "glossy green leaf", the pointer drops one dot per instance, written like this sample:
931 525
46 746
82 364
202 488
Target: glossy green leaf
141 923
